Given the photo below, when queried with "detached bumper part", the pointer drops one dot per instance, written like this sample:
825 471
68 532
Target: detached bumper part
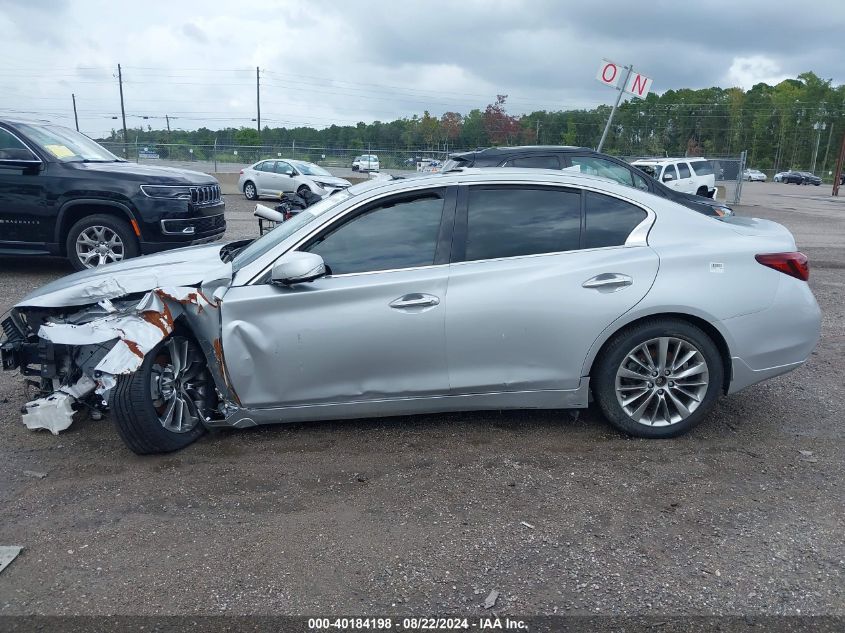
55 412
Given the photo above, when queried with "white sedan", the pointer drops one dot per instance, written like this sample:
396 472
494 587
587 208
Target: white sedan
754 174
273 177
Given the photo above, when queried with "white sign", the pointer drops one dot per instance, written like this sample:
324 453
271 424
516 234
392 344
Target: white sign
638 85
610 73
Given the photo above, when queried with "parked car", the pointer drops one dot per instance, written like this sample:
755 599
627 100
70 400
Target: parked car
778 177
273 177
562 288
753 175
810 178
63 194
586 161
801 178
366 162
688 175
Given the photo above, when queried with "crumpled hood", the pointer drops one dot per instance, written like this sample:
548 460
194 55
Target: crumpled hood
181 267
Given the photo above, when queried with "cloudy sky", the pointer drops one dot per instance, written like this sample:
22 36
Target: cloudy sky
325 61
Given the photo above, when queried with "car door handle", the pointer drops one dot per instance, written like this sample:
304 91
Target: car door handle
608 281
414 300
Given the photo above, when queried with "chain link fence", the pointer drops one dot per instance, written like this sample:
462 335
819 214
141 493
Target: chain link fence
232 158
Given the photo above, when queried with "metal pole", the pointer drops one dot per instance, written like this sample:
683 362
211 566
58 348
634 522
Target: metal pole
827 147
215 154
840 163
615 105
738 188
123 113
75 118
819 129
258 103
167 118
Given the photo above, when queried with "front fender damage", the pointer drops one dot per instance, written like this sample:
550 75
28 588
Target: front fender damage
99 350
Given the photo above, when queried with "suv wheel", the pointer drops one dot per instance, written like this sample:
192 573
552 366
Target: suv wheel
100 239
658 379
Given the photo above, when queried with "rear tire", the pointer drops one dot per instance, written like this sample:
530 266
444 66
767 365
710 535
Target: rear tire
702 191
160 407
250 191
100 239
641 403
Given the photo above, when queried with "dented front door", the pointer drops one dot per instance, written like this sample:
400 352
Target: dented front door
350 338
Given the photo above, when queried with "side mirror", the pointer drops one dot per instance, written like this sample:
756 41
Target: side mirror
668 177
296 268
27 164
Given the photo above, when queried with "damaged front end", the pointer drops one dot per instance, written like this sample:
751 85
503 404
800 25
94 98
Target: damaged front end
72 357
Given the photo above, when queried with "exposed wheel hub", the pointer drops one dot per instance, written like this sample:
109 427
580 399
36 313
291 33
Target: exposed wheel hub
179 385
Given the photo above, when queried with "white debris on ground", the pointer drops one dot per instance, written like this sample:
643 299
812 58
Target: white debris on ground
8 553
55 412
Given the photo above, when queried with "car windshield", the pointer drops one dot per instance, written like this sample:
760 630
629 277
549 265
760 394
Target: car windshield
652 169
284 230
310 169
66 145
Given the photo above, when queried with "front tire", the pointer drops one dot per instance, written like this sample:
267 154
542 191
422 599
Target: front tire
250 191
161 407
100 239
302 190
658 379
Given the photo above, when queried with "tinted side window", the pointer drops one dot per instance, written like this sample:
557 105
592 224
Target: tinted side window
604 168
12 149
640 182
683 170
514 221
267 165
535 162
609 220
399 234
702 167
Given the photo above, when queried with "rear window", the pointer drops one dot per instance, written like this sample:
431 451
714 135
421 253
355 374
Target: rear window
702 167
609 220
683 169
534 162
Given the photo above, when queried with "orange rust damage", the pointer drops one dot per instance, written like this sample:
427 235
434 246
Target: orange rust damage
134 348
191 297
217 344
162 320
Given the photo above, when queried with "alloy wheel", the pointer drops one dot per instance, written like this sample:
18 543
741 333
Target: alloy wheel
98 245
179 385
662 381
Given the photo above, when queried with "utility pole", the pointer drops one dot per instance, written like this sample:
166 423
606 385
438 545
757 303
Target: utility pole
122 112
621 90
75 118
827 147
818 127
258 102
840 163
537 135
167 118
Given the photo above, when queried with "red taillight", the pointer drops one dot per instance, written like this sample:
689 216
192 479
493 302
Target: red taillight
792 264
287 215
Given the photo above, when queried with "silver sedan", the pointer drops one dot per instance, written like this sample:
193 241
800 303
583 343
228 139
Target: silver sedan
472 290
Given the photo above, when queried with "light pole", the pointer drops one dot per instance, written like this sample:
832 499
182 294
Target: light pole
818 127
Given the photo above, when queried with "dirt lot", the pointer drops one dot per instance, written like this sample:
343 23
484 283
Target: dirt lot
424 515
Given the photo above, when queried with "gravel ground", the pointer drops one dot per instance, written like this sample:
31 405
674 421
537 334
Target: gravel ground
426 515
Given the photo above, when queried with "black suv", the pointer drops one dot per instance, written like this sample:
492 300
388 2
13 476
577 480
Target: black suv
590 162
63 194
